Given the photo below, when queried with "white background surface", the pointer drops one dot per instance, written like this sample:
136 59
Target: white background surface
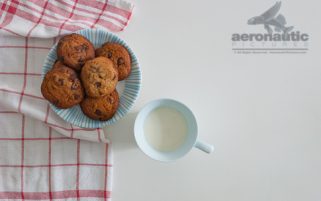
262 112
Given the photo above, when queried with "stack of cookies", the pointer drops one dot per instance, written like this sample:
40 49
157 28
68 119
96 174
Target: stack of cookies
87 77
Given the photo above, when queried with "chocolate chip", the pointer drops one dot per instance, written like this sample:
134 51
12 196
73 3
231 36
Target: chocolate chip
109 54
98 84
110 99
84 47
74 86
76 96
120 61
98 112
81 48
81 61
61 81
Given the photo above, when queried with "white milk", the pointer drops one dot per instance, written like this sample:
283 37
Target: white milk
165 129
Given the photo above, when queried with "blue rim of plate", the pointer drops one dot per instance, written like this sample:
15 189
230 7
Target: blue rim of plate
75 115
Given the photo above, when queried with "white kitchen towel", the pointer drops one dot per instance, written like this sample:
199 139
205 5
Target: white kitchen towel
36 161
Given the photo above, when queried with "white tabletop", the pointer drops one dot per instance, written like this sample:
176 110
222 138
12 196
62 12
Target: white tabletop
262 112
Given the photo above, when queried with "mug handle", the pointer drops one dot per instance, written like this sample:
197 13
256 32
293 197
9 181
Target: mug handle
208 148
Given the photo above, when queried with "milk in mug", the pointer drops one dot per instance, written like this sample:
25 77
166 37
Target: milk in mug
165 129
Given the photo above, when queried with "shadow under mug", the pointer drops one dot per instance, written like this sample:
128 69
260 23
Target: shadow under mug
190 141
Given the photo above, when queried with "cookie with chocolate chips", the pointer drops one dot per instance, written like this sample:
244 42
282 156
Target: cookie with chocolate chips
120 57
62 88
102 108
74 50
99 77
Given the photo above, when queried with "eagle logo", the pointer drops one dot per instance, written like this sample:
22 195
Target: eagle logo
270 18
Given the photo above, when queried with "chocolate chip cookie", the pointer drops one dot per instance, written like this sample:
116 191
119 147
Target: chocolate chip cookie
62 88
74 50
119 55
99 77
102 108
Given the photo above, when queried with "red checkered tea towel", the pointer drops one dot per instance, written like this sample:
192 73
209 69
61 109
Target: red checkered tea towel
36 161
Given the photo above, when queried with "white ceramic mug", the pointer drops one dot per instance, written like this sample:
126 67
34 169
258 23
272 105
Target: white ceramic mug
190 141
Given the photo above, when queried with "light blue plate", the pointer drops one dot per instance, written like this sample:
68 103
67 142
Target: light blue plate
130 93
